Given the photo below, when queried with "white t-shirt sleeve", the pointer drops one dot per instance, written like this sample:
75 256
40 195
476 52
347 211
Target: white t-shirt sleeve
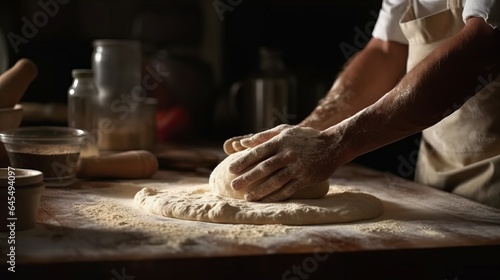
489 10
387 25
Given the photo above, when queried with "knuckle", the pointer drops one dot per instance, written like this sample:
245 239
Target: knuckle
236 145
291 129
239 181
282 126
266 165
259 151
289 191
280 179
228 147
263 190
290 155
235 166
252 176
272 163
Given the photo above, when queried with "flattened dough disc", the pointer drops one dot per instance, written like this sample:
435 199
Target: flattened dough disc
200 204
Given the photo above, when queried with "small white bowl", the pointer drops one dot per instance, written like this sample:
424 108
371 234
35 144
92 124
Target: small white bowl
11 117
26 186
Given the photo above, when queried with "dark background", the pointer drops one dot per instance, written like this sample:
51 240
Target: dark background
203 47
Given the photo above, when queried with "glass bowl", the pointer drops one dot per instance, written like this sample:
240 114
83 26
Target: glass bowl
53 150
10 118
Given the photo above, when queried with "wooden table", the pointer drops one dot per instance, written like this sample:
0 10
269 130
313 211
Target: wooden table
93 231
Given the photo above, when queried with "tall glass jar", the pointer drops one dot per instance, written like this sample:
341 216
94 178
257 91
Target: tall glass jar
117 68
82 96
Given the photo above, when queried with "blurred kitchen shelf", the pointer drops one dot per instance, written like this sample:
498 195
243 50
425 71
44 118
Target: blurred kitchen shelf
43 113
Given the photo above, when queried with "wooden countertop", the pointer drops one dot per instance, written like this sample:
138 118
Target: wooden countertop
94 226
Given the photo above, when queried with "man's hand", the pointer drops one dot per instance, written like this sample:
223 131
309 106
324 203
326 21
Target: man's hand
233 145
293 159
240 143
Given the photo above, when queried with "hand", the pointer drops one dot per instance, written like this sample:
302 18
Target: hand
240 143
293 159
233 145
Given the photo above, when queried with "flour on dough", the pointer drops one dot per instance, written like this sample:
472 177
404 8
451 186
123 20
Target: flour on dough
200 204
220 182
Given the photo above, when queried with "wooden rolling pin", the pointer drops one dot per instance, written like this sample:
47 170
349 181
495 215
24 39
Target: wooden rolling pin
15 81
139 164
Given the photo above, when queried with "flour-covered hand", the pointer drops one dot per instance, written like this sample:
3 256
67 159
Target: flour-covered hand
233 145
240 143
264 136
295 158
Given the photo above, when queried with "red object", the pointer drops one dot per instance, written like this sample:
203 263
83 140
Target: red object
173 124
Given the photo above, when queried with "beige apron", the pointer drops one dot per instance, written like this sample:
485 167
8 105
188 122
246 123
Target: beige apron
460 154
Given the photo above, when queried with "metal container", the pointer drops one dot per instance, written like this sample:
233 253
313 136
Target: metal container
4 53
264 99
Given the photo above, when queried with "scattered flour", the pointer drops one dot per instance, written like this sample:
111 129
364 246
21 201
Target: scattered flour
174 233
94 219
389 226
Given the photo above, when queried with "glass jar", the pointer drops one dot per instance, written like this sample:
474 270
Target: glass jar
117 68
82 96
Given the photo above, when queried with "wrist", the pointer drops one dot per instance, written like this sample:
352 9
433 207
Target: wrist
340 148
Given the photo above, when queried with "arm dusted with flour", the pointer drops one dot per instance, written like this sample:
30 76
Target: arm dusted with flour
298 157
447 76
368 76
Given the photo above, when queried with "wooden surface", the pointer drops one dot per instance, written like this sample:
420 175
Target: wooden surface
419 224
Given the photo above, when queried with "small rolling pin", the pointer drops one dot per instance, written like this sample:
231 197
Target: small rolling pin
139 164
15 81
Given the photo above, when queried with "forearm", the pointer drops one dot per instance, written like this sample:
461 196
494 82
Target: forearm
443 80
368 76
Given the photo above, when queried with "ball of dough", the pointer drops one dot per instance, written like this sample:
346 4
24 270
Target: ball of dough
220 182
